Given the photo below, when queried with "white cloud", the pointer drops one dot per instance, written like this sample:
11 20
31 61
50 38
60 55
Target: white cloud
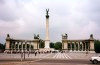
24 18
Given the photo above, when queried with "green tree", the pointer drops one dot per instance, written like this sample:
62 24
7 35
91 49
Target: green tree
58 46
51 45
2 46
97 46
41 43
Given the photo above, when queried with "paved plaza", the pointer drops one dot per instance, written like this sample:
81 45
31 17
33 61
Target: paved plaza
49 56
47 59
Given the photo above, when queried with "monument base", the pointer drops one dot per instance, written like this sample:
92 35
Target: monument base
46 49
47 43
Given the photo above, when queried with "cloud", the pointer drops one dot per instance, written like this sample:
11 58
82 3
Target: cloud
24 18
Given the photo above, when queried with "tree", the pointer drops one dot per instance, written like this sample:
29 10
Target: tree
41 43
97 46
2 46
51 45
58 46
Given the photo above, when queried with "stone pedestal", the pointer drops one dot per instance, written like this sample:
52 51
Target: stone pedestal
46 49
47 42
92 45
7 47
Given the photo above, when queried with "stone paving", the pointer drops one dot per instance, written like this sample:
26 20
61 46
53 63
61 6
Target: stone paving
47 59
50 56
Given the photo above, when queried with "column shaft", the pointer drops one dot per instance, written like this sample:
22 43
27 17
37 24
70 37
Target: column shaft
75 46
22 46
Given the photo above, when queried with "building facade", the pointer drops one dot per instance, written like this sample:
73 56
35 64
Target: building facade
77 45
18 45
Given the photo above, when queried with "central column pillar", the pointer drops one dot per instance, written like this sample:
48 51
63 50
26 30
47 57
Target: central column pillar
47 41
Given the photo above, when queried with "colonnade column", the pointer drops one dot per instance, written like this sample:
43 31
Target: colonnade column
85 47
78 46
75 46
82 46
18 46
14 46
71 46
25 46
30 46
22 47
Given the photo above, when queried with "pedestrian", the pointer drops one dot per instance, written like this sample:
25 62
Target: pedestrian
21 56
35 53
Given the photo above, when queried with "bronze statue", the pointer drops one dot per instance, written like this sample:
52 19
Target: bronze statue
91 35
36 36
47 10
47 15
65 36
8 35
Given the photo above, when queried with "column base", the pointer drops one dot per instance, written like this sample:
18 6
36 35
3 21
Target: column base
47 43
46 49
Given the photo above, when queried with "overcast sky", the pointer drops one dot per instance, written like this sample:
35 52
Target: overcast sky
24 18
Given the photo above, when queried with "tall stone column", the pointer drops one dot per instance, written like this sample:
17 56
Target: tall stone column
47 40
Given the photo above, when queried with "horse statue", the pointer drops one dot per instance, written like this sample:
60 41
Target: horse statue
36 36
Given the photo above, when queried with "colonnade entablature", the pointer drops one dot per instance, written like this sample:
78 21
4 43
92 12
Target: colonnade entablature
18 45
77 45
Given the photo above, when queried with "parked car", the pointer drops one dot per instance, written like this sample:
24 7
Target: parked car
95 60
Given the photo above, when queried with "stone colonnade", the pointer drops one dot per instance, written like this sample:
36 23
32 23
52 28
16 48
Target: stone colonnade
78 45
14 45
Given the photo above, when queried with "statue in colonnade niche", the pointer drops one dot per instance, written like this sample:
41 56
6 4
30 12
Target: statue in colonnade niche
36 36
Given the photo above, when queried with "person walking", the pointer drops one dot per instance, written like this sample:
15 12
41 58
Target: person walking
35 53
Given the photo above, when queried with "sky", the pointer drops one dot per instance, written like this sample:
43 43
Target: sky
24 18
